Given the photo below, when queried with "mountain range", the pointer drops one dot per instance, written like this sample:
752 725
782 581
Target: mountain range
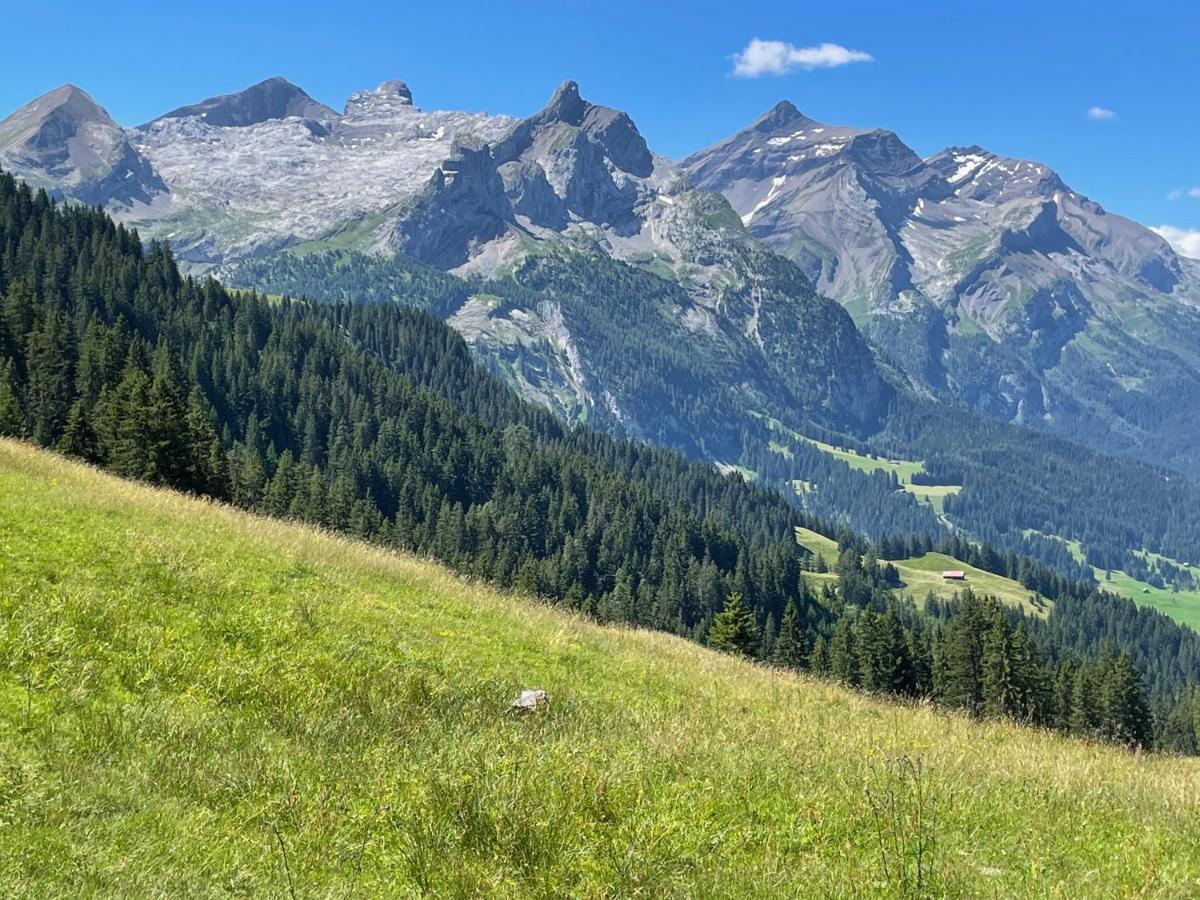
977 280
983 278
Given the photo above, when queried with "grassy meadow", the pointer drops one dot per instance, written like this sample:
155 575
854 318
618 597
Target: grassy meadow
904 469
1182 606
199 702
922 575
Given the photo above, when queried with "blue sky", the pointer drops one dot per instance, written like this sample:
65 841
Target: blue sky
1018 78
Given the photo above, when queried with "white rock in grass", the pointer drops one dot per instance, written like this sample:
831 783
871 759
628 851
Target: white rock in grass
530 699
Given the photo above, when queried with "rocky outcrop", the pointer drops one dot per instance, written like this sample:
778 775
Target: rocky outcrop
463 206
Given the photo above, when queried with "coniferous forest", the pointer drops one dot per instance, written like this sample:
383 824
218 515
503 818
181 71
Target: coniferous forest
373 419
1013 479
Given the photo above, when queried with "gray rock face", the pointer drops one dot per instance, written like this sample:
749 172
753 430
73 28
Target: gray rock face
278 180
463 206
275 98
592 158
982 277
65 142
550 201
579 178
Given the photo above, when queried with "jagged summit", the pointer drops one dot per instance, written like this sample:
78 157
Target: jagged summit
390 98
981 275
395 88
274 98
66 142
782 113
566 105
594 132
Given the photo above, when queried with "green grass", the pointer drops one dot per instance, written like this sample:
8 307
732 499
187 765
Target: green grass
904 469
922 575
1182 606
187 692
817 544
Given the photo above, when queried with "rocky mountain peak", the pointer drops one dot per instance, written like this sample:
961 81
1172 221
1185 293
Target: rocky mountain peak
781 114
275 98
73 98
566 105
979 174
51 117
599 132
395 89
881 152
390 98
66 142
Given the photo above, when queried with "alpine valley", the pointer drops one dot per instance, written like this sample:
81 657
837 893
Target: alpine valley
405 503
958 346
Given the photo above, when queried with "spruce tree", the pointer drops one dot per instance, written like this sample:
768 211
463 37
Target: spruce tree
12 416
818 660
79 438
1124 713
843 655
790 651
1000 691
733 629
1083 716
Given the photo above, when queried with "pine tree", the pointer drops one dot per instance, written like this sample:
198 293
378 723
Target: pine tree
1179 730
790 651
843 655
123 423
818 660
50 388
884 663
1000 691
962 653
1083 717
206 459
79 438
170 449
12 416
1124 713
733 630
770 634
920 651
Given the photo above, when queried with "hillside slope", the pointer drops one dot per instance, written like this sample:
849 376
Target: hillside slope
196 701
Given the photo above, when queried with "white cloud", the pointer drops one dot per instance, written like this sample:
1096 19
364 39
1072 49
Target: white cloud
1179 192
1186 241
779 57
1174 194
1194 192
1100 114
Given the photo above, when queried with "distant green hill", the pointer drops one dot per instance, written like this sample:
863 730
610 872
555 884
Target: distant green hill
1181 605
922 575
195 701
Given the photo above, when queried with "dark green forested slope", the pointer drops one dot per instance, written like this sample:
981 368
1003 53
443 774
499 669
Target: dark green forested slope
374 420
689 396
1014 480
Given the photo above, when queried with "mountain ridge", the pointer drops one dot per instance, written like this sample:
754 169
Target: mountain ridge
273 98
984 278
